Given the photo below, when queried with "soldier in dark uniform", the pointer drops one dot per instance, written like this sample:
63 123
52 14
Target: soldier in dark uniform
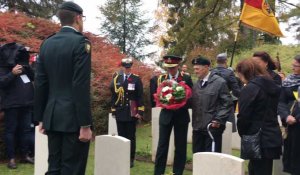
62 93
168 119
127 103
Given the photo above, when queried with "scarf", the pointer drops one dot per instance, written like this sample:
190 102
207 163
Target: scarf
291 80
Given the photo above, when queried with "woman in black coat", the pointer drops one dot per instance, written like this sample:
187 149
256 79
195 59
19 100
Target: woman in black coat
289 112
258 110
265 60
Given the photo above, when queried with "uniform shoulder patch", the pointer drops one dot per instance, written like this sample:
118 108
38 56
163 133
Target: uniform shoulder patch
88 47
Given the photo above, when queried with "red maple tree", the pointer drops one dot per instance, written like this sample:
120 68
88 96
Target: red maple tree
106 57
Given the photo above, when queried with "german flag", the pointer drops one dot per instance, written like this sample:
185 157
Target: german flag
258 15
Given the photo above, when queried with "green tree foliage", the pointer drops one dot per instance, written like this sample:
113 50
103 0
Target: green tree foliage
199 23
124 26
37 8
293 15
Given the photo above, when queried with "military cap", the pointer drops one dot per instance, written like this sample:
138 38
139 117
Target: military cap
171 60
222 56
127 62
201 61
69 5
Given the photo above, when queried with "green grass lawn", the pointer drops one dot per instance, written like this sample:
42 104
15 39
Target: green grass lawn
140 168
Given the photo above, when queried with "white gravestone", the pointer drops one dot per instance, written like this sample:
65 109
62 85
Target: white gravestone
41 153
236 139
112 125
155 136
190 129
112 155
226 139
207 163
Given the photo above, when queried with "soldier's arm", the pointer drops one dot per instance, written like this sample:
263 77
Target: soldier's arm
140 101
81 82
41 89
113 96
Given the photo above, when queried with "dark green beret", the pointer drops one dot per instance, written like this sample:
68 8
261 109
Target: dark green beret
201 61
69 5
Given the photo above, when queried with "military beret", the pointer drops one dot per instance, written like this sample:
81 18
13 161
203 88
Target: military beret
127 62
222 56
171 60
69 5
201 61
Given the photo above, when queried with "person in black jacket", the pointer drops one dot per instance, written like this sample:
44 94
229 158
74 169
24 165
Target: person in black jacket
17 101
232 83
258 111
265 61
289 111
62 93
153 87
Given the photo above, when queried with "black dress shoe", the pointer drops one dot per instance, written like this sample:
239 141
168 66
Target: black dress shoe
27 159
12 164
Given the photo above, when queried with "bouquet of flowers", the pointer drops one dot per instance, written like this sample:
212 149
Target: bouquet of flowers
172 95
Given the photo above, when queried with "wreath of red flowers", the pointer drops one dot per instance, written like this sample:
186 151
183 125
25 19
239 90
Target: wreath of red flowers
172 95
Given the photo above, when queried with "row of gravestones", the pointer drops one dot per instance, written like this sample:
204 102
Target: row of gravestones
116 150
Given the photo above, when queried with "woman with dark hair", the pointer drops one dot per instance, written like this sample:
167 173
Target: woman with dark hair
258 113
289 111
264 60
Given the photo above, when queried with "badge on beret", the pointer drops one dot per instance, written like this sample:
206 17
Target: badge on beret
88 47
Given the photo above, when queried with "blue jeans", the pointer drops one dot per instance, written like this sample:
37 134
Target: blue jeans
17 120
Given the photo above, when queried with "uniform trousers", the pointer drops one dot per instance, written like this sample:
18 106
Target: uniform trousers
67 154
180 139
127 129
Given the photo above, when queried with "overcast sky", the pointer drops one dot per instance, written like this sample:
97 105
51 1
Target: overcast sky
93 16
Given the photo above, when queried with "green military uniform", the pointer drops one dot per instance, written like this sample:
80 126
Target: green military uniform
62 98
127 98
168 119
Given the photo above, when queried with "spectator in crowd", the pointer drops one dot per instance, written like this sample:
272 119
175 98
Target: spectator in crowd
289 111
184 69
211 104
265 61
17 101
232 83
153 86
179 119
62 93
258 113
127 103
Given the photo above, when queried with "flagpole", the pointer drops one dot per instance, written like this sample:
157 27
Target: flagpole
234 45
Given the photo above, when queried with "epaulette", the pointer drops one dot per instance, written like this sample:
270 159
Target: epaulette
135 75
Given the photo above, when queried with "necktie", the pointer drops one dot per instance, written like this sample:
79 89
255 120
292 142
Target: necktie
126 77
202 83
